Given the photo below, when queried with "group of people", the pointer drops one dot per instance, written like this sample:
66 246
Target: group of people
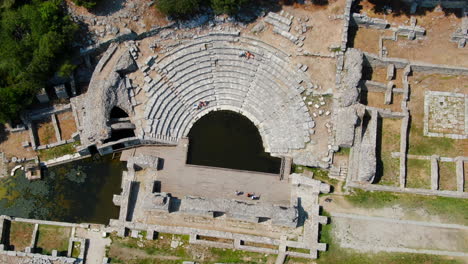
247 54
201 104
249 195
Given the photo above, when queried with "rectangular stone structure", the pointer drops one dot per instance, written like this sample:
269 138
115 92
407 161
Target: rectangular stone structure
61 91
460 174
42 96
434 172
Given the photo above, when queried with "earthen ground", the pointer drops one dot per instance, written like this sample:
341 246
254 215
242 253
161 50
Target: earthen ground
390 142
367 39
45 132
373 233
376 99
134 250
379 74
418 174
53 237
10 144
20 235
66 123
439 28
418 143
447 176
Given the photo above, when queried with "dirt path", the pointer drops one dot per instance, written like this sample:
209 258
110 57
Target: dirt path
385 234
394 229
97 245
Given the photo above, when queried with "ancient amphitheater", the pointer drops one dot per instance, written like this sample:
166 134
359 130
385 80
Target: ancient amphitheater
266 88
376 114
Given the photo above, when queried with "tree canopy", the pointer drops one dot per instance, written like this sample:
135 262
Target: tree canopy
86 3
34 39
183 8
229 7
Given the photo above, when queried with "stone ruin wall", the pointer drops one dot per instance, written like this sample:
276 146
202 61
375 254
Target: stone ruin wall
374 61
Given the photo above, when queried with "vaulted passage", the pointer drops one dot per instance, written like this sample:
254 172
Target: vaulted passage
229 140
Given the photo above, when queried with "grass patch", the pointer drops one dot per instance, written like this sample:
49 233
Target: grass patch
448 176
141 251
391 170
451 210
336 254
237 256
53 237
20 235
319 174
390 142
52 153
427 146
76 249
343 152
419 174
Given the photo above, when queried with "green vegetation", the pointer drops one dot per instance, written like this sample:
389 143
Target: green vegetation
76 249
343 152
20 235
447 179
390 142
35 37
178 8
86 3
53 237
336 254
65 193
227 6
450 210
419 174
184 8
139 250
52 153
319 174
421 145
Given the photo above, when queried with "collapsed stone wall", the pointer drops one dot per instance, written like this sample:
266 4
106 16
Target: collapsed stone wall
104 93
344 116
367 153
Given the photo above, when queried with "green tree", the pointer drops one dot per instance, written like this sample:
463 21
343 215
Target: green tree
35 39
178 8
229 7
88 4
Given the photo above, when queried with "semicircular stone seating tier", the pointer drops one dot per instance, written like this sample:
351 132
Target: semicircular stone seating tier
266 89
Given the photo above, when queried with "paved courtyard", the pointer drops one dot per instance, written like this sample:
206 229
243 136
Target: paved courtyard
180 179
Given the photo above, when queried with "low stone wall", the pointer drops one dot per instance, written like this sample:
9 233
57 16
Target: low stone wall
372 60
346 19
375 187
64 159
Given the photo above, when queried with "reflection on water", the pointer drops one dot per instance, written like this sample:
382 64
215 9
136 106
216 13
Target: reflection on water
229 140
80 191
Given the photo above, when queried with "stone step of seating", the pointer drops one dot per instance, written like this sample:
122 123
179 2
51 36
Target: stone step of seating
212 70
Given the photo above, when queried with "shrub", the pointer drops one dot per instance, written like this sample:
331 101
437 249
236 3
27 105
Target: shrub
34 41
88 4
229 7
178 8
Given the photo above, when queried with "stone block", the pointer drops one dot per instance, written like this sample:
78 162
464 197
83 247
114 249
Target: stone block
390 72
61 91
435 172
42 96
